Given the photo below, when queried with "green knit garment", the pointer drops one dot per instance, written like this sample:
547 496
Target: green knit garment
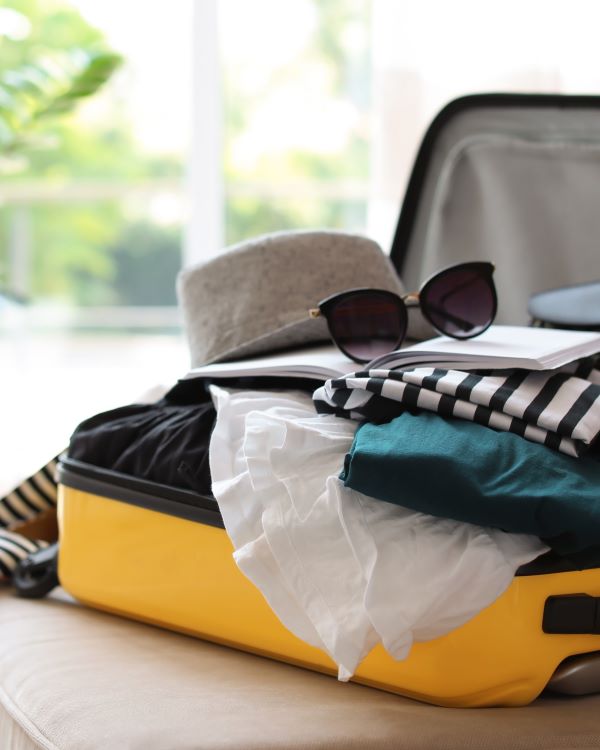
458 469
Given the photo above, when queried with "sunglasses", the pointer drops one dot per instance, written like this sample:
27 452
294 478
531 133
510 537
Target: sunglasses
459 301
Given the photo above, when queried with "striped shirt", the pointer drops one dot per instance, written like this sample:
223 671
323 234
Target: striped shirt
32 497
558 408
14 548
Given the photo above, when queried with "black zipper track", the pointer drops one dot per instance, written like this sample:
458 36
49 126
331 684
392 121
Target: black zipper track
414 188
142 493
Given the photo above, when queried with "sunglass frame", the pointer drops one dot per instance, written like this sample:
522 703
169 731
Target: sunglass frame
411 299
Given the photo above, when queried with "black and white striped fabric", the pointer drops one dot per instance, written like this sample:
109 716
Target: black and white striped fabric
32 497
14 548
559 408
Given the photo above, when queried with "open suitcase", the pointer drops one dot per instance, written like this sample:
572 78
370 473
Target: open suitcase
507 178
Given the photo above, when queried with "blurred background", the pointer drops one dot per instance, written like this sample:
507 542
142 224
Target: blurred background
139 137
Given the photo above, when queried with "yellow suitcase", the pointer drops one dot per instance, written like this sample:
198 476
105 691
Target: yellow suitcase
161 555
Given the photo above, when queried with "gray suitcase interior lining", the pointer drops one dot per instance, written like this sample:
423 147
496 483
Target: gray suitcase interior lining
515 185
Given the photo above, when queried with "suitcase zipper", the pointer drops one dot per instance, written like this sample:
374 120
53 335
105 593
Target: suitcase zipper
140 492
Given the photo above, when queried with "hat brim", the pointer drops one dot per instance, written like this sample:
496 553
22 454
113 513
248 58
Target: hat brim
299 333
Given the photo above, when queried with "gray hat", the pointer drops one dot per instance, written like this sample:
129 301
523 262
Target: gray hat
255 297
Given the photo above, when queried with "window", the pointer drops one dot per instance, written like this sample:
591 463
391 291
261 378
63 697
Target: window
227 119
91 223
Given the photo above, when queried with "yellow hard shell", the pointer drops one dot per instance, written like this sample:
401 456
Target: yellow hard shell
181 575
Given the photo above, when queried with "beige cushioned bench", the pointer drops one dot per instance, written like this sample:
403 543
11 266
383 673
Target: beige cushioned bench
75 679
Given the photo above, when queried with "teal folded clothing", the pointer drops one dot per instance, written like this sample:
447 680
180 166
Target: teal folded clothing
465 471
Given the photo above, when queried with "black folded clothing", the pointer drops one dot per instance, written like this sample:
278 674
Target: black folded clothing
165 442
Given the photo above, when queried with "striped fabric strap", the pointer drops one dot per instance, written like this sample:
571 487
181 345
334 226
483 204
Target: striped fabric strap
558 408
32 497
14 548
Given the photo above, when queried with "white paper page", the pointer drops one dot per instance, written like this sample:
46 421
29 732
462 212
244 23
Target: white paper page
320 362
547 347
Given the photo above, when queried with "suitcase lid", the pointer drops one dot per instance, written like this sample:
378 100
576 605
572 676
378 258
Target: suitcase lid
509 178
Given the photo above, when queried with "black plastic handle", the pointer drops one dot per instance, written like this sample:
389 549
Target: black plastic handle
37 574
572 613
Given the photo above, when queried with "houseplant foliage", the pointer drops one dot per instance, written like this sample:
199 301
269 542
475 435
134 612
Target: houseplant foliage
82 253
33 93
50 60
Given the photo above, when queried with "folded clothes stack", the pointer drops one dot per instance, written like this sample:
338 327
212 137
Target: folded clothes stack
463 507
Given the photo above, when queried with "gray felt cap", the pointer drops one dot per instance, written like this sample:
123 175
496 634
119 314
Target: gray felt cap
255 297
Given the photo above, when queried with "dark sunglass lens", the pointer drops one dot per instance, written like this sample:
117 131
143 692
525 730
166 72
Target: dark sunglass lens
460 302
367 325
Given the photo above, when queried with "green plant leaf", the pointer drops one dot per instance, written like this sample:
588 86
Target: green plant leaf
49 87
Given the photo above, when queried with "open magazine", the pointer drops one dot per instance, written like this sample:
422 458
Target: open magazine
498 348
